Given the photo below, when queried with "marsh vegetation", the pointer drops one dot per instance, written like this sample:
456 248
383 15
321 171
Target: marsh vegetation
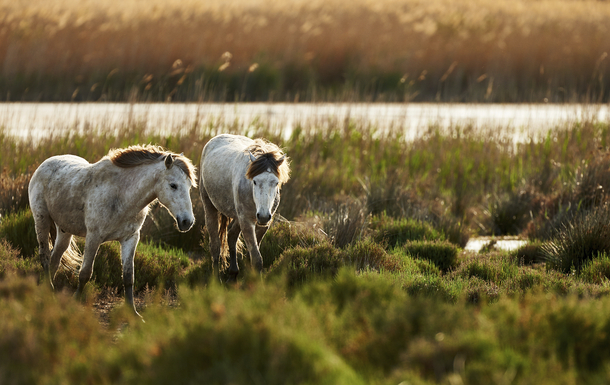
365 275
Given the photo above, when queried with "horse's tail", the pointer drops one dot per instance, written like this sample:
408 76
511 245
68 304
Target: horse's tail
72 257
223 223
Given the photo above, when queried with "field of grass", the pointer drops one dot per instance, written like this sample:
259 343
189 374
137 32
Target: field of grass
390 50
365 281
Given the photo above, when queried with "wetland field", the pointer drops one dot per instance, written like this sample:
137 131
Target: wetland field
367 277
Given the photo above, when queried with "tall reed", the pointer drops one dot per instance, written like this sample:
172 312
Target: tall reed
484 50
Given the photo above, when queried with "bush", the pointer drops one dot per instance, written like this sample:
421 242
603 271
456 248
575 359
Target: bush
18 229
530 253
493 268
413 265
597 270
581 240
283 236
366 254
395 232
510 215
302 264
230 336
346 223
47 337
12 263
13 192
442 253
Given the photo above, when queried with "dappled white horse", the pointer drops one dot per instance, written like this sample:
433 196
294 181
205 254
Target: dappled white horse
240 179
106 201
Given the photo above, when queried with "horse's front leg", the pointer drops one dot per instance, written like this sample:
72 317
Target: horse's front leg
249 235
232 237
128 250
92 244
211 224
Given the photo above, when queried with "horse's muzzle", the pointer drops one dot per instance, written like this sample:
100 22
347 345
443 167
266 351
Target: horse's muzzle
262 220
184 224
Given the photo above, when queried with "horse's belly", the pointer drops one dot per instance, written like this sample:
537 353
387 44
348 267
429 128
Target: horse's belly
70 221
224 204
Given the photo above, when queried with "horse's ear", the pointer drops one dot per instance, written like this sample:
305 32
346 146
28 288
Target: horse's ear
252 158
169 161
279 161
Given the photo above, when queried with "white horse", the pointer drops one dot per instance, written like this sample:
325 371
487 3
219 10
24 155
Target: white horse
106 201
240 179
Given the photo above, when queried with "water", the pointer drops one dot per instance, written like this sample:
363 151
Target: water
30 121
500 243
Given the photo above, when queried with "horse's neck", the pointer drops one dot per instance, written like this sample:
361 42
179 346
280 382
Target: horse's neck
141 188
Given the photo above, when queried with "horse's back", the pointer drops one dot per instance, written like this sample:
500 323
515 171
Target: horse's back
56 170
56 186
223 166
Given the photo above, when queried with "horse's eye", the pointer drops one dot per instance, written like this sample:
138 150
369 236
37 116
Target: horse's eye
173 186
254 182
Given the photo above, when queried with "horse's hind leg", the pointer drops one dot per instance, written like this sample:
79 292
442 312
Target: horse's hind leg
211 224
92 244
232 237
62 242
42 223
128 250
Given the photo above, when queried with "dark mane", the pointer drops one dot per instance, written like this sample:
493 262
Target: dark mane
267 155
133 156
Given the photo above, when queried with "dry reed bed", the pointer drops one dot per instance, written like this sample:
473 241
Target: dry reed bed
445 50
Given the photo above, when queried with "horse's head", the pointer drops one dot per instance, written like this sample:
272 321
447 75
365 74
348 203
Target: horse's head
173 191
265 192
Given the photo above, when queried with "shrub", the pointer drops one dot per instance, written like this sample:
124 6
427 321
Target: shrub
530 253
153 266
400 231
18 229
493 267
366 254
12 263
302 264
230 336
13 192
346 223
584 238
283 236
413 265
442 253
597 270
510 214
47 337
432 286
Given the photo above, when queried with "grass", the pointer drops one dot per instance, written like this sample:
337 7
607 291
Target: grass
365 276
484 51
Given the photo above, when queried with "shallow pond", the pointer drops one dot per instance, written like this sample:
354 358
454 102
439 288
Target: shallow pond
515 122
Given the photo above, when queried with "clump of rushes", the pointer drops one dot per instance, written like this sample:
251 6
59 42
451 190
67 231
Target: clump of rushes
579 241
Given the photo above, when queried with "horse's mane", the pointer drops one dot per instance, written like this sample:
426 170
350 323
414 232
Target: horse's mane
133 156
267 155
